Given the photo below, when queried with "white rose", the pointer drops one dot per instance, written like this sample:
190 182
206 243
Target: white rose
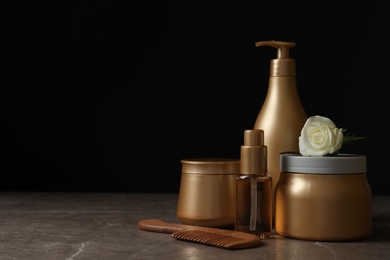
320 136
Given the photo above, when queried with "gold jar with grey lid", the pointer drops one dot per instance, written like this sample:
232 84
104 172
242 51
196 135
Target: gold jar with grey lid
207 192
324 198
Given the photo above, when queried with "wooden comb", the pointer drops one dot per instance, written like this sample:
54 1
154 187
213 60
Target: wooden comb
229 239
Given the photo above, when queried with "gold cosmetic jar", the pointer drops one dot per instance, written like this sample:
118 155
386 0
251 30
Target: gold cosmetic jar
207 192
323 198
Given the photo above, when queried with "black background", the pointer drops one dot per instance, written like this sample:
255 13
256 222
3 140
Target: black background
103 96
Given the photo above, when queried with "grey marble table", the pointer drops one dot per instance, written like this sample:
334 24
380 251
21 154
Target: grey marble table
71 226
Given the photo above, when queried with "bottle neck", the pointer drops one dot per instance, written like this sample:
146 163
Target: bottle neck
282 68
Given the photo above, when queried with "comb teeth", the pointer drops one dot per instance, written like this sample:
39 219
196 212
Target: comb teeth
210 238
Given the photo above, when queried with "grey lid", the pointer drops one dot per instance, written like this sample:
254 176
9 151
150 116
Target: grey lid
335 164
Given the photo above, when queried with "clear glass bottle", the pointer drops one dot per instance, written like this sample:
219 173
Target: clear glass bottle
259 223
254 187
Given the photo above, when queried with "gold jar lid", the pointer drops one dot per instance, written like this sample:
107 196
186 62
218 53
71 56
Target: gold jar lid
332 164
211 166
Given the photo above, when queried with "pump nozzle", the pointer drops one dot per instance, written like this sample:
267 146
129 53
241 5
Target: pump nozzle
281 66
253 154
283 47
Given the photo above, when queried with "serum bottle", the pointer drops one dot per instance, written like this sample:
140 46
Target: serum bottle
254 187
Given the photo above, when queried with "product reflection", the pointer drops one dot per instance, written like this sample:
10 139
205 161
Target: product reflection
189 253
298 187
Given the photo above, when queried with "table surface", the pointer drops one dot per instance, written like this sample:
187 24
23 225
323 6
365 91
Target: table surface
71 226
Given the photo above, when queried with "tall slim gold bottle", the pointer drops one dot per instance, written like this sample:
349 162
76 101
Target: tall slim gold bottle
282 115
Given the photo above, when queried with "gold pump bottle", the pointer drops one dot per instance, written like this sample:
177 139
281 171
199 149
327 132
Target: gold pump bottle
282 115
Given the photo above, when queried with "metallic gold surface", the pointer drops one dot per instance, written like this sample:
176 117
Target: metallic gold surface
282 115
323 207
253 154
207 192
282 118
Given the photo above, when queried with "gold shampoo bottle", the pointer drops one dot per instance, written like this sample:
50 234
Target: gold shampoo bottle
282 115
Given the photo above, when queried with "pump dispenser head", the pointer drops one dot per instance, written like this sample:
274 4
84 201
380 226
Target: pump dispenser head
253 154
282 66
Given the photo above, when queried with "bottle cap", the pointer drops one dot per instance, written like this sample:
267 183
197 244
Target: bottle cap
336 164
253 154
211 166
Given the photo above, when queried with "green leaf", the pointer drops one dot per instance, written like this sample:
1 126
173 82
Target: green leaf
349 138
